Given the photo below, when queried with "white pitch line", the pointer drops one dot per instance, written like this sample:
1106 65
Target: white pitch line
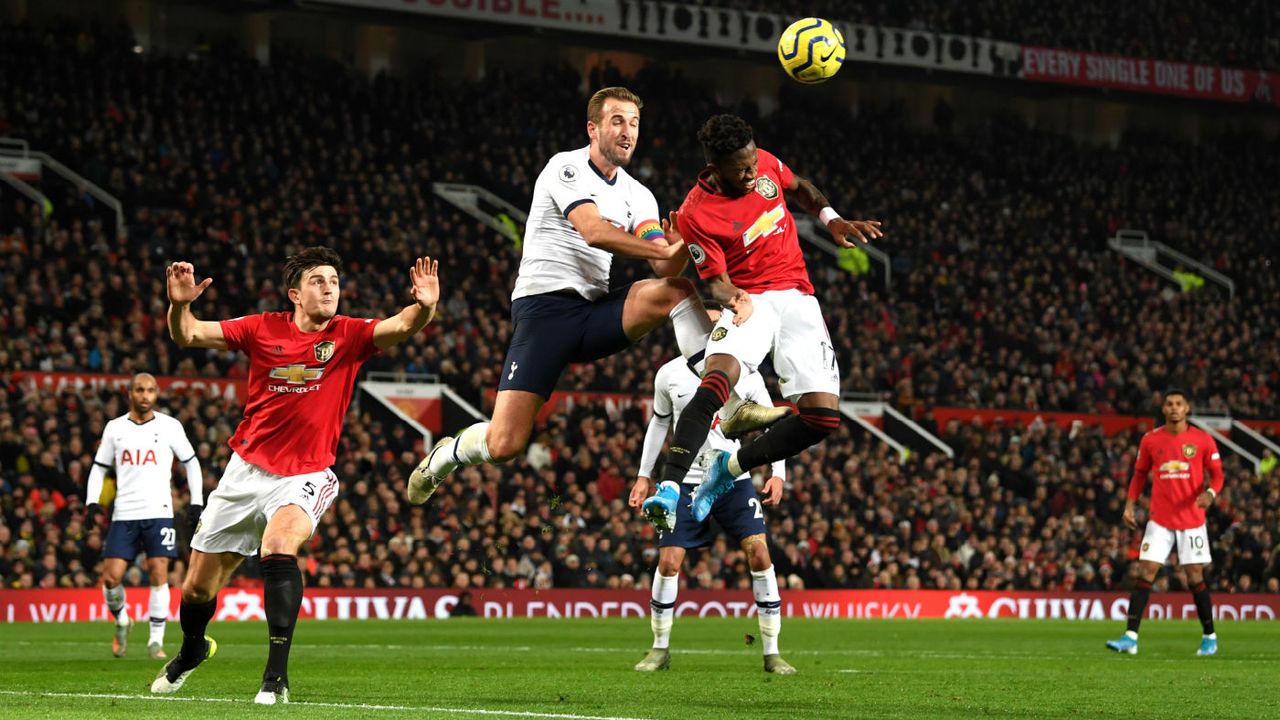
342 706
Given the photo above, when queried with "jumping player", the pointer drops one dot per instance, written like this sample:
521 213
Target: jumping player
278 483
738 513
139 448
743 241
586 209
1181 458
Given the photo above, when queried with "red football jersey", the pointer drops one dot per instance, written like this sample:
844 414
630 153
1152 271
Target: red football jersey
299 388
1180 463
753 237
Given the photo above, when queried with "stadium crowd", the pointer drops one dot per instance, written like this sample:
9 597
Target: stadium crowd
1033 507
1003 296
1239 34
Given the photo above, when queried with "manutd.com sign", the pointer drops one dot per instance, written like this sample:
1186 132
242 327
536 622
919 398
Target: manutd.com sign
329 604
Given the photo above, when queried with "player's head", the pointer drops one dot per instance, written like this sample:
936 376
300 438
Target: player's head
311 279
1176 406
730 150
613 123
143 391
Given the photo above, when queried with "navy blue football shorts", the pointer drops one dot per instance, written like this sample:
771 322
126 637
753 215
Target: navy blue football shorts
738 513
553 330
155 537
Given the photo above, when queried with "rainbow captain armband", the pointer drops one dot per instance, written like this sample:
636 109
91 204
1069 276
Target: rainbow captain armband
650 230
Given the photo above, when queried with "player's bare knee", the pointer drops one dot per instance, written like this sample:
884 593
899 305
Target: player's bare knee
757 551
505 446
669 561
196 592
1195 575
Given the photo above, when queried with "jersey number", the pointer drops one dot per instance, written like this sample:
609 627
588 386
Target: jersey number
309 488
756 504
168 537
764 226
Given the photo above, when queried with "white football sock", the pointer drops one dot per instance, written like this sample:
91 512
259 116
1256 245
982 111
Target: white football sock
736 469
764 585
115 603
158 610
662 608
470 447
692 326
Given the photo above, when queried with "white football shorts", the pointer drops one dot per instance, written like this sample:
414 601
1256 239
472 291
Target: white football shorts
1192 545
788 323
237 512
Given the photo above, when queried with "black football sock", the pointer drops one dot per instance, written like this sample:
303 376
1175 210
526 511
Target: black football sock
195 619
282 596
1138 604
695 425
789 437
1204 606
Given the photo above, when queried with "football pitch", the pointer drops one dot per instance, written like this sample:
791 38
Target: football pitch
580 669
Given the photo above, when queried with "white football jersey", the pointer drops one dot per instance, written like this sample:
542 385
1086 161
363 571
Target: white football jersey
141 457
556 257
673 388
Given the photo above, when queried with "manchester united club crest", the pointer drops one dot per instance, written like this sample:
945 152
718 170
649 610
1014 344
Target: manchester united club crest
767 188
1188 451
718 334
324 351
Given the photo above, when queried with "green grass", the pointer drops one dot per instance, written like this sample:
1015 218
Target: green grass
520 668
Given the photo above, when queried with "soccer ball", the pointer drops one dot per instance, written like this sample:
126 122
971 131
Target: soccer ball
811 50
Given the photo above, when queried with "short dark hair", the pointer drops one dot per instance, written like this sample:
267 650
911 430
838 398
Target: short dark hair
723 135
298 265
1177 391
595 106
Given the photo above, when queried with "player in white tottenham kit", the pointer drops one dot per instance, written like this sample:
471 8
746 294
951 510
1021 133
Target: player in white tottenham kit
585 210
139 448
738 513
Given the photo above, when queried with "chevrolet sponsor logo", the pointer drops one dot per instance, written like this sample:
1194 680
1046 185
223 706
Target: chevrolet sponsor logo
296 374
1175 466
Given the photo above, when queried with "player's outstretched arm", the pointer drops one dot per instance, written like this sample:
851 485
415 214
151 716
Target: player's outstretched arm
185 329
600 233
424 288
809 197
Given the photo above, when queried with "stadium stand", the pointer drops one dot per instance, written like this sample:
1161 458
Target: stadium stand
1006 299
1241 34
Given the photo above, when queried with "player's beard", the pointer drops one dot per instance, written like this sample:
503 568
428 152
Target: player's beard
613 154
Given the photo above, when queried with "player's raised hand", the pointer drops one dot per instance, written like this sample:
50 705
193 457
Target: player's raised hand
182 283
771 493
864 230
639 492
671 229
424 281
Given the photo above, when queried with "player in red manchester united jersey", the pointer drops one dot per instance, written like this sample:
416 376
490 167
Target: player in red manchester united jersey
1186 476
743 241
302 368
